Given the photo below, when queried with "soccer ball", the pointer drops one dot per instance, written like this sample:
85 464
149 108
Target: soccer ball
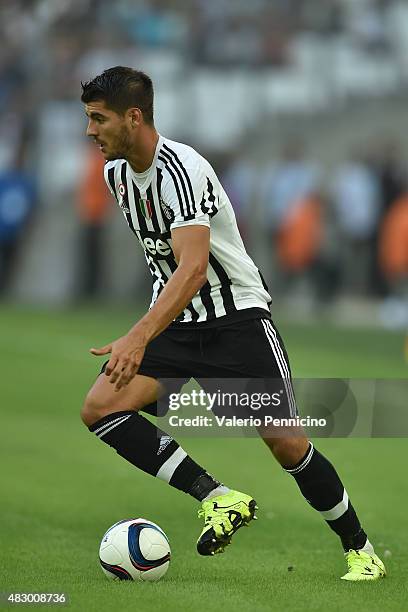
134 549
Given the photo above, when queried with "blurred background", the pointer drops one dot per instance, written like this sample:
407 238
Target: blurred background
300 105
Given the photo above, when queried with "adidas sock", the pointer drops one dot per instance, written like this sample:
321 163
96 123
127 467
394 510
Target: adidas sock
150 449
322 488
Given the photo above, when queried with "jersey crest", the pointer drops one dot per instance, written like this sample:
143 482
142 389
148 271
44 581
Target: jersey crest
145 208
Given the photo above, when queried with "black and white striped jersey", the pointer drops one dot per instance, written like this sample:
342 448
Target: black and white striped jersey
181 188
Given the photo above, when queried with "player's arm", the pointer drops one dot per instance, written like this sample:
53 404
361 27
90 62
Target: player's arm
191 246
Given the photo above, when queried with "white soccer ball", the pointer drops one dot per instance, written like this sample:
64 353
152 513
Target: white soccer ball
134 549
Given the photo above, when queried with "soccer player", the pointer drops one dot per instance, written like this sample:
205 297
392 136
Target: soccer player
209 318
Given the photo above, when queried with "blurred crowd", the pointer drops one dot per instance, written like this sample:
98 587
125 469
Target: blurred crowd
341 230
58 39
217 33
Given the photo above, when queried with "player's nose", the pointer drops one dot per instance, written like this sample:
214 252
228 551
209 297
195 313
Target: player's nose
90 130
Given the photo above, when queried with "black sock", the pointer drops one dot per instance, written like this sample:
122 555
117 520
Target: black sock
322 488
150 449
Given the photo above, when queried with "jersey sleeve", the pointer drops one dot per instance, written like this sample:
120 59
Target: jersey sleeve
109 176
183 192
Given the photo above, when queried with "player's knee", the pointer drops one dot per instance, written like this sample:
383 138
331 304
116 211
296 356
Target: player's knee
91 410
289 451
96 406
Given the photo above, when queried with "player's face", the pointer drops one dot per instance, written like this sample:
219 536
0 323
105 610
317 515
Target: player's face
109 130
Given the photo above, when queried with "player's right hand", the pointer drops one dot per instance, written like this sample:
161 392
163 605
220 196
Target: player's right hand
126 356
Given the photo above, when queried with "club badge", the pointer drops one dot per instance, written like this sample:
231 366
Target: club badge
145 208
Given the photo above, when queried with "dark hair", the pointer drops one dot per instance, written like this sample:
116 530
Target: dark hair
121 88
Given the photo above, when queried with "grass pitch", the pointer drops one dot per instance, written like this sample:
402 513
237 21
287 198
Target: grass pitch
62 488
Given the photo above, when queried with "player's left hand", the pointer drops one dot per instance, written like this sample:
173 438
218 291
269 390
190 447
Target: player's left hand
126 356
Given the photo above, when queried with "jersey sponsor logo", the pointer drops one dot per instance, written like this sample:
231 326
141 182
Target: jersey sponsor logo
156 246
145 208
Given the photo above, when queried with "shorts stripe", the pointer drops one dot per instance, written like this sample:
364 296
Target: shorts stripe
281 363
286 366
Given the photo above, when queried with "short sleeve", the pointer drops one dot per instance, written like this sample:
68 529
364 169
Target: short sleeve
109 176
183 192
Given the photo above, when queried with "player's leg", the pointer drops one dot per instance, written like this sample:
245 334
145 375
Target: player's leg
323 489
102 399
114 418
255 349
321 486
318 480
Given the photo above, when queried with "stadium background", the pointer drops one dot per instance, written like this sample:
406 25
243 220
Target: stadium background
301 108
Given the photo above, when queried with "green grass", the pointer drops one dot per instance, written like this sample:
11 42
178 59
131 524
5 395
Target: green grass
61 488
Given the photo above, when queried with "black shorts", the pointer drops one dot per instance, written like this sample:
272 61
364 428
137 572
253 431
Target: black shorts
250 349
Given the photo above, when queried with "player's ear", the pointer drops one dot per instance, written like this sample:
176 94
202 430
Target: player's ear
135 117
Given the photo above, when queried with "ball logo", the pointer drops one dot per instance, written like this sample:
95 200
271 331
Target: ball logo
121 189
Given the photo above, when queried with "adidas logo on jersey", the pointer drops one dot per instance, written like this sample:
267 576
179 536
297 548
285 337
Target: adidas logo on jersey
164 442
167 210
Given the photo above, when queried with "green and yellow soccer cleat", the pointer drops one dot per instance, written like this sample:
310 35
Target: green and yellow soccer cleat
223 516
363 566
